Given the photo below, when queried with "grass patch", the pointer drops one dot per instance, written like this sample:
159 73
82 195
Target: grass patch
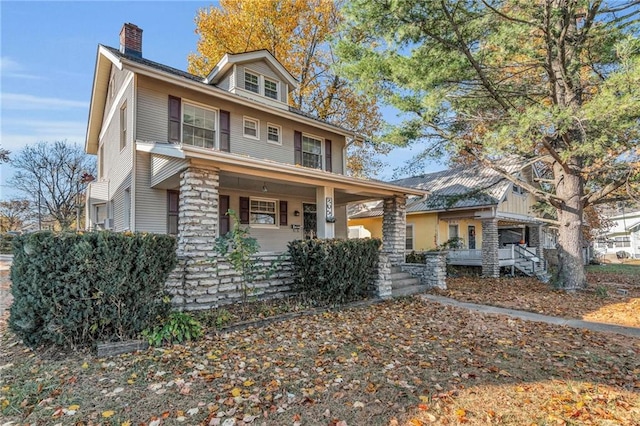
626 268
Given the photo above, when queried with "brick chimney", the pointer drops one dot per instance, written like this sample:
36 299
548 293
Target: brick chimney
131 40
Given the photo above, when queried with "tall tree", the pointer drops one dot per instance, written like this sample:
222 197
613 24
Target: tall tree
13 214
553 81
54 176
297 33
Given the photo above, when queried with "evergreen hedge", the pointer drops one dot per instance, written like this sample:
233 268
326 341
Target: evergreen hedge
77 289
334 271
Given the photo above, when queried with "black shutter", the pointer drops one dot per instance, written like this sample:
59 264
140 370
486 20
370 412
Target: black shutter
244 210
173 210
283 213
174 119
327 155
223 206
225 131
297 146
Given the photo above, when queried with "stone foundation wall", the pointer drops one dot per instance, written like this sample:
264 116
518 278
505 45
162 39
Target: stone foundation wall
490 260
216 283
433 274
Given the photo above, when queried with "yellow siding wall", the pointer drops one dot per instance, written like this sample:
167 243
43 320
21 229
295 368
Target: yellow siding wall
428 230
372 224
517 203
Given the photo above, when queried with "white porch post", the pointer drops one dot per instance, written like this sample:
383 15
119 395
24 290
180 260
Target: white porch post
325 209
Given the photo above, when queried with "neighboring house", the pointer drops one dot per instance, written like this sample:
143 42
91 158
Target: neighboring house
176 151
622 238
490 218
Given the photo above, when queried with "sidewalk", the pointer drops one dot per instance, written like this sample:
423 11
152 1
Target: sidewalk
530 316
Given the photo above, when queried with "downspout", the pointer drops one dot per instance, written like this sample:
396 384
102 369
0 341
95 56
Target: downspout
134 138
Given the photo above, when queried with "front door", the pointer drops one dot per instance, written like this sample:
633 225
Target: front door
471 237
310 221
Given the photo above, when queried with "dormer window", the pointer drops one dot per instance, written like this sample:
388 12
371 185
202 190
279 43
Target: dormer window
251 82
271 89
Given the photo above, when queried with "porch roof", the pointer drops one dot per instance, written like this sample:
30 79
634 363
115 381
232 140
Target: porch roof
348 189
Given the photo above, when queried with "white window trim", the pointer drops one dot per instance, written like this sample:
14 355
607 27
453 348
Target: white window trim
216 122
276 224
279 142
264 88
123 129
449 230
322 143
246 119
244 81
413 237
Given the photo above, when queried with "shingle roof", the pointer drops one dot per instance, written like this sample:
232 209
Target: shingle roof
170 70
460 187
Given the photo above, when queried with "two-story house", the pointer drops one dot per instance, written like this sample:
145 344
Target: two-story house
176 151
489 220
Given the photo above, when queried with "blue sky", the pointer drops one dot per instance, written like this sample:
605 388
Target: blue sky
47 59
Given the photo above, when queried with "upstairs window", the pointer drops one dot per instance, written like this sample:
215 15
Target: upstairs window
273 133
311 152
270 89
198 126
251 126
251 82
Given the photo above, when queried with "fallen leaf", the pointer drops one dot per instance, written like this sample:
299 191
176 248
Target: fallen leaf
107 414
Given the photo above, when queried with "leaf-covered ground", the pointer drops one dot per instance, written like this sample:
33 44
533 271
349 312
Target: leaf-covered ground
402 362
611 297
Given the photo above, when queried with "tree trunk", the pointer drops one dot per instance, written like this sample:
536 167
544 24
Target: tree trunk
569 186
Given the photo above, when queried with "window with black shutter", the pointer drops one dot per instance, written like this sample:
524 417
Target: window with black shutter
327 155
283 213
223 205
225 131
244 210
174 119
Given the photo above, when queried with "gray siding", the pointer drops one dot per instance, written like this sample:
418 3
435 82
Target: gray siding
152 124
273 239
150 204
162 168
225 82
117 163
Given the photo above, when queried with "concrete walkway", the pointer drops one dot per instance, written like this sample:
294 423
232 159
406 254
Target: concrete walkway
530 316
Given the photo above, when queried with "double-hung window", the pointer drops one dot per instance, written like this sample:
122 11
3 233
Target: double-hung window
251 128
273 133
251 82
198 126
409 237
263 212
270 89
311 152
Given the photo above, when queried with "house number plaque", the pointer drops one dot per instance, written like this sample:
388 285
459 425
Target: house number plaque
329 204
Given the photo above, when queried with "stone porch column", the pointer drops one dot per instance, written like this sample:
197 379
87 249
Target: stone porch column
197 231
394 229
325 209
490 245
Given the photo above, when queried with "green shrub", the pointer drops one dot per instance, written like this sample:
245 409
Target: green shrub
77 289
177 328
334 271
415 257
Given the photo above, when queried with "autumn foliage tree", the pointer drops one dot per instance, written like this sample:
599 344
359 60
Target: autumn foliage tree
13 214
297 33
555 82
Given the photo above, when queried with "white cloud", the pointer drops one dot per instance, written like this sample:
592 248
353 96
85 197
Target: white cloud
12 68
18 101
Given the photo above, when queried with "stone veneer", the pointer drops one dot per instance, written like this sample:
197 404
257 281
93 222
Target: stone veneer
433 273
383 281
490 245
394 229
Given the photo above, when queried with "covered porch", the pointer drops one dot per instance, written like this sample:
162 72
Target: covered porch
278 202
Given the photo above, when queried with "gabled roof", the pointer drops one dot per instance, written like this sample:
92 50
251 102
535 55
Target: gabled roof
108 56
457 188
229 59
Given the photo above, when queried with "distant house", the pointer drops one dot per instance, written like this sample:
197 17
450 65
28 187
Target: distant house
488 218
622 239
176 151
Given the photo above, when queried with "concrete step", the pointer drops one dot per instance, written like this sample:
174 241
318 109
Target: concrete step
407 291
400 275
405 282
